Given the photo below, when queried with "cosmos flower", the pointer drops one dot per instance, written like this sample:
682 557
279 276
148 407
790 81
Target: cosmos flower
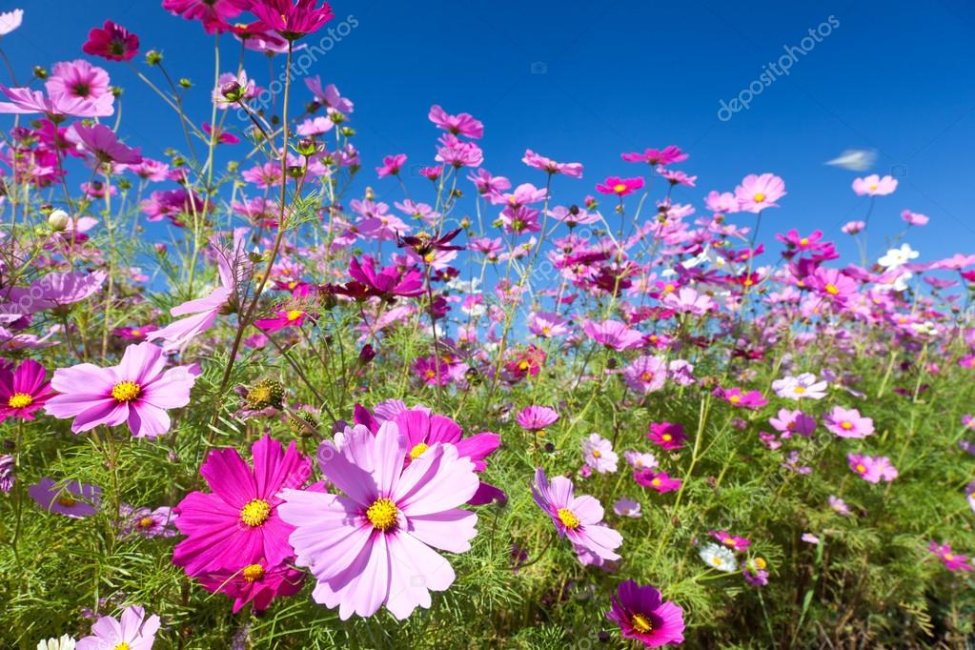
667 435
146 522
752 400
619 186
391 165
898 257
759 192
23 391
112 42
536 418
646 374
577 518
659 481
874 185
848 423
69 498
132 631
599 455
239 523
213 14
735 543
139 391
11 20
655 157
719 557
461 124
952 561
613 334
257 583
101 142
914 218
644 616
872 469
803 386
537 161
839 506
627 508
79 80
788 422
373 545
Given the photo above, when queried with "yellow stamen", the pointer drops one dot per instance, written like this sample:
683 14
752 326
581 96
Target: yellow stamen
126 391
861 468
799 390
804 241
20 400
759 197
146 522
253 572
382 514
122 646
619 188
641 624
255 512
568 518
418 450
832 289
67 501
846 426
596 453
666 437
760 563
656 482
294 314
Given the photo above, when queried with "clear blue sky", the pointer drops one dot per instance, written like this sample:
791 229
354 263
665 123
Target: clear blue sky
585 81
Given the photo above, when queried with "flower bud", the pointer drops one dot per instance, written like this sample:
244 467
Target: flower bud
59 220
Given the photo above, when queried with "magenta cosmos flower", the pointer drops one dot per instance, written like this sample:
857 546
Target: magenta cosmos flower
952 561
101 142
258 583
759 192
23 391
659 481
132 631
613 334
667 435
645 617
734 542
872 469
536 418
848 423
619 186
538 161
654 157
461 124
577 518
292 19
374 544
238 523
646 375
139 390
69 498
112 42
752 400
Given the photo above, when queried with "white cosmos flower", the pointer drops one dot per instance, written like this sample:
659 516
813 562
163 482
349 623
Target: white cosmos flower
719 557
896 257
64 643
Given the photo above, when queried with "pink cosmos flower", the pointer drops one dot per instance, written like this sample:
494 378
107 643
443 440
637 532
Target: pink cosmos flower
147 523
644 616
24 101
914 218
213 14
78 80
619 186
330 97
662 482
537 161
461 124
536 418
646 374
258 584
112 42
759 192
788 422
874 185
599 455
721 202
667 435
458 153
654 157
388 282
547 325
839 506
23 391
101 142
848 423
952 561
373 544
688 301
752 400
132 631
613 334
853 227
735 543
640 459
577 518
238 523
391 165
872 469
292 19
69 498
139 390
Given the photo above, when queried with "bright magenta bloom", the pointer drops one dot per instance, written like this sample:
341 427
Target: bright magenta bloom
667 435
577 518
371 545
644 616
659 481
752 400
461 124
619 186
257 583
139 390
23 391
238 523
538 161
759 192
613 334
292 19
654 157
872 469
952 561
735 543
112 42
536 418
101 142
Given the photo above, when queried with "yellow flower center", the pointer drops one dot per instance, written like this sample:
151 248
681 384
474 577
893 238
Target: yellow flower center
832 289
126 391
122 646
568 518
430 374
734 399
255 512
669 288
418 450
253 572
67 501
596 453
666 437
136 333
874 186
716 561
294 314
647 376
656 482
641 624
949 556
799 390
382 514
861 468
804 241
146 522
20 400
524 365
430 257
547 331
846 426
748 282
619 188
760 563
759 197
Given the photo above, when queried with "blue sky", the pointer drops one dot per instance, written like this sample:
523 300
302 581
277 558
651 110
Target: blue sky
583 81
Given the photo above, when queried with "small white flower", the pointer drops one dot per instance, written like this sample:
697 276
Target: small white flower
898 257
599 455
719 557
64 643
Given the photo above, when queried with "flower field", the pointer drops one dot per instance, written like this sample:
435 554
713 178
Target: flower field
259 391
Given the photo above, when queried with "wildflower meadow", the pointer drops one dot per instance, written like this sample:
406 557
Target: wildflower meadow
259 390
